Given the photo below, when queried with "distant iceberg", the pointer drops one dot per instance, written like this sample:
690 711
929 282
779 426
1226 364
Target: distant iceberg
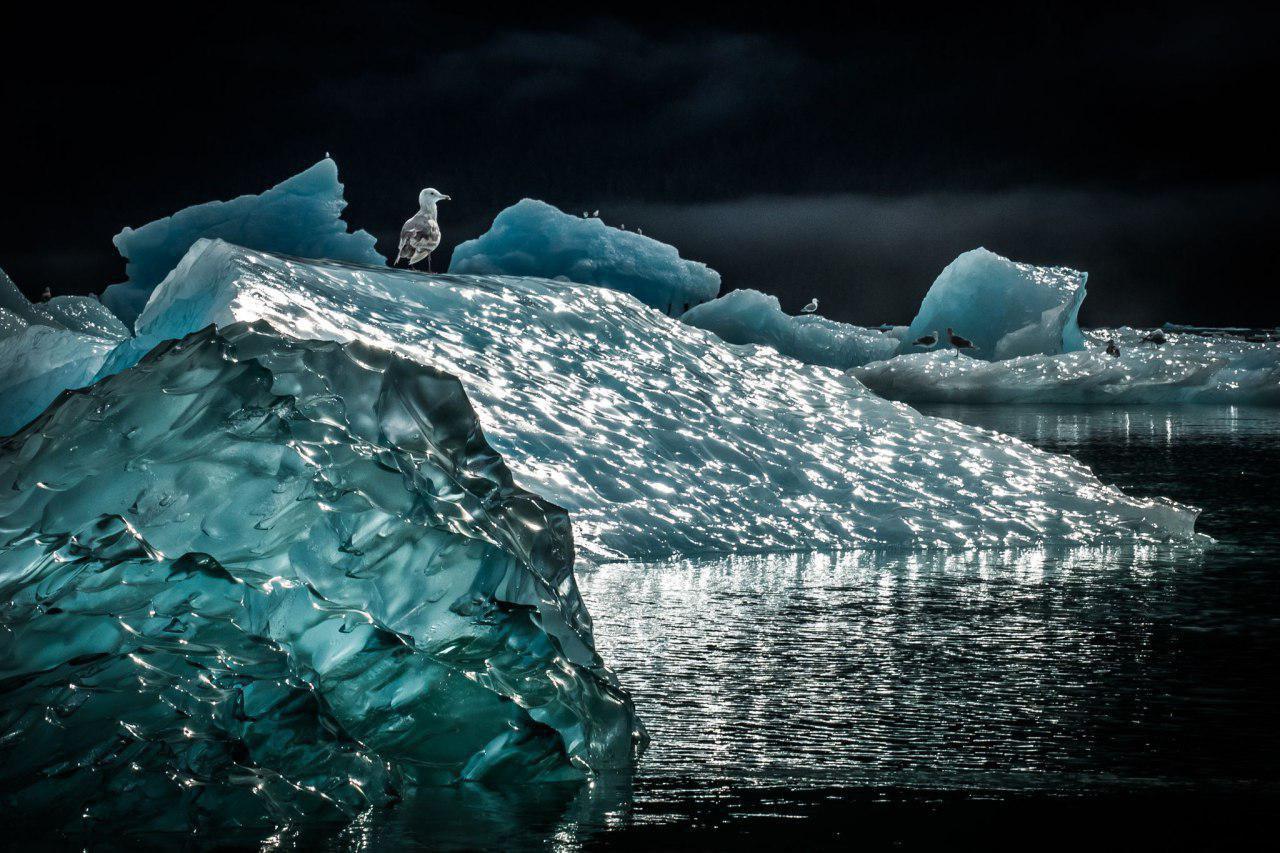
752 317
659 438
1188 368
1007 309
1023 319
300 216
48 346
256 576
532 238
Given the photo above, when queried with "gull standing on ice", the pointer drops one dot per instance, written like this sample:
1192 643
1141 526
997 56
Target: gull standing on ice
421 233
811 307
958 342
926 341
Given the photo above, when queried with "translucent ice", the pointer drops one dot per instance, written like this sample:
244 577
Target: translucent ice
301 216
255 576
1006 309
532 238
752 317
46 347
658 437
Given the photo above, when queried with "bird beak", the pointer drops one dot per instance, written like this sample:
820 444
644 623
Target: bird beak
446 198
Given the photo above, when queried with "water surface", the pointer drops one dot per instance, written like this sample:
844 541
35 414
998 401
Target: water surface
1124 695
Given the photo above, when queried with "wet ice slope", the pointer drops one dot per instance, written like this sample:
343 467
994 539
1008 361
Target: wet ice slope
659 438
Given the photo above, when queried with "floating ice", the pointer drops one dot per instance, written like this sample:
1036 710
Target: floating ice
48 346
1006 308
1188 368
300 216
254 576
659 438
752 317
532 238
82 314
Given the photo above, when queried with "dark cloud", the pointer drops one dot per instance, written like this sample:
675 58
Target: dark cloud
914 128
606 81
1151 256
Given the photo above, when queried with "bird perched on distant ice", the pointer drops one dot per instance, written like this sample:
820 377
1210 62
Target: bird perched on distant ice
926 341
1112 349
811 307
958 342
1156 337
421 232
46 294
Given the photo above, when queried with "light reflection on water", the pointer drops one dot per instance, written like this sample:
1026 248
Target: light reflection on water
815 686
801 686
1031 668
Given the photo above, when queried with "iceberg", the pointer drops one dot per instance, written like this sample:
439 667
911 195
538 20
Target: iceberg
752 317
257 576
48 346
532 238
1188 368
1007 309
81 314
301 216
659 438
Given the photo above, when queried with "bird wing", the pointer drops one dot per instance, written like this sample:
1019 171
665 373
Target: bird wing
418 238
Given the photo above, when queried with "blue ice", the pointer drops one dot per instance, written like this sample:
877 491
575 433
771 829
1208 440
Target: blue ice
751 317
300 216
532 238
1007 309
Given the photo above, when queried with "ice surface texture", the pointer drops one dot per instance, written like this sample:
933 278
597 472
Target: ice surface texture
48 346
532 238
658 437
1006 308
301 216
752 317
255 575
1188 368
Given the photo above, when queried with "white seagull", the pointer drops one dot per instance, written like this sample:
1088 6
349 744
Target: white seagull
811 307
421 232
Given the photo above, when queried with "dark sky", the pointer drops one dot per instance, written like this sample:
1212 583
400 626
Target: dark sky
849 158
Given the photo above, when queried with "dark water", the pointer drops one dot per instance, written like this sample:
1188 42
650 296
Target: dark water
1051 698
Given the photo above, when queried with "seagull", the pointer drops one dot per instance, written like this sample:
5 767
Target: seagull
421 233
958 342
811 307
1156 337
596 215
639 230
46 294
927 340
1112 349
